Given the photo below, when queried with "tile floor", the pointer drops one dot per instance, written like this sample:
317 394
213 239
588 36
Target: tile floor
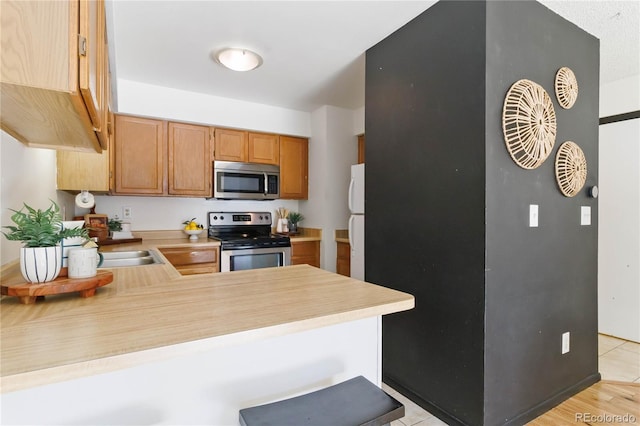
617 360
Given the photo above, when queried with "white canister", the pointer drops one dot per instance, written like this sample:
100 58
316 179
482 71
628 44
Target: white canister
83 262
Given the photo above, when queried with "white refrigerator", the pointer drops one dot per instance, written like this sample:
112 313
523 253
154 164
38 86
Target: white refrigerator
356 221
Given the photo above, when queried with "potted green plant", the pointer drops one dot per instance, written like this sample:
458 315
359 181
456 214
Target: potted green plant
41 232
114 224
293 218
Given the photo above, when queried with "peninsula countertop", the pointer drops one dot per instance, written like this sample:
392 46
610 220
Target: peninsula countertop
151 312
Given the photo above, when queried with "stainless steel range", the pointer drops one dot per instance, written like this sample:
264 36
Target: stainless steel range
247 242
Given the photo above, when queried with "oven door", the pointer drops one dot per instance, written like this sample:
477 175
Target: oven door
242 259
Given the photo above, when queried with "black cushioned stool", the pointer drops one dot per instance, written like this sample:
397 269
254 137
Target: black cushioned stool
351 403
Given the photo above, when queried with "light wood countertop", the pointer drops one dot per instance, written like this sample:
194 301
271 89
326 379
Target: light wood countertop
152 312
307 234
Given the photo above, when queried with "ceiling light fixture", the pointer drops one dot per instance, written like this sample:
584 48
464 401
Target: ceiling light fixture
238 59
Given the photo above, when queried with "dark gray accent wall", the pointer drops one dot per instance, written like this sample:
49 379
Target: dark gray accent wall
447 213
540 282
425 197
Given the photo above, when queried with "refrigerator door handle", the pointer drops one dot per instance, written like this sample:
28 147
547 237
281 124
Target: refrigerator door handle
350 230
350 198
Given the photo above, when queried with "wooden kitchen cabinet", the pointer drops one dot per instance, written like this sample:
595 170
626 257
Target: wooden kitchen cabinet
264 148
52 72
360 149
231 145
84 170
140 155
93 62
190 157
77 171
246 147
193 260
294 168
343 259
305 252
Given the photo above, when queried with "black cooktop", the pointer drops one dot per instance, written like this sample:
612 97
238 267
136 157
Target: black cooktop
247 239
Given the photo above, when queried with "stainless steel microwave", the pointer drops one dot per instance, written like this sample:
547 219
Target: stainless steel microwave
245 181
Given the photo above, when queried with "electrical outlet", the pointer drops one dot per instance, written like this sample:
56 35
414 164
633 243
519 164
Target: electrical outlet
127 213
566 342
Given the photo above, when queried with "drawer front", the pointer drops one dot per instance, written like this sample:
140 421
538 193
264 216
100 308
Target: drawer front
305 248
190 256
305 252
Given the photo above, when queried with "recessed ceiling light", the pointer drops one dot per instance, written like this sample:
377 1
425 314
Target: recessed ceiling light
238 59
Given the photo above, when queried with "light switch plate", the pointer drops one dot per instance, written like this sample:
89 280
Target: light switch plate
585 215
566 346
533 215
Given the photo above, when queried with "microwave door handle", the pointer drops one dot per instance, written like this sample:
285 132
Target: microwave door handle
266 184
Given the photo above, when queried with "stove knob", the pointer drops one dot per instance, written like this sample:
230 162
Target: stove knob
215 218
221 217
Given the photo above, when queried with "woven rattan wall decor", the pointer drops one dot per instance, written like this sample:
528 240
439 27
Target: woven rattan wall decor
566 87
571 168
528 124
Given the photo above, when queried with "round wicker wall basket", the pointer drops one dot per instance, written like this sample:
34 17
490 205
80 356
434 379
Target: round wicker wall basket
528 124
566 87
571 168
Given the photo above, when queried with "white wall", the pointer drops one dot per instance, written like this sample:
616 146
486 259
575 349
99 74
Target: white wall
621 96
619 213
28 176
160 213
358 121
332 151
162 102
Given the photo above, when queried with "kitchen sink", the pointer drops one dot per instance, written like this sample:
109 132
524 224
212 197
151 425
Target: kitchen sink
116 259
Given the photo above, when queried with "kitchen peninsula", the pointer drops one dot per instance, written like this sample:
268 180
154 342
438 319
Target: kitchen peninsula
158 347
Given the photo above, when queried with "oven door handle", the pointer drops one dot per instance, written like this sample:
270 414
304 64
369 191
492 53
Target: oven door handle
266 184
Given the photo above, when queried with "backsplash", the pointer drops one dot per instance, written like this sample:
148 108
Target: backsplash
155 213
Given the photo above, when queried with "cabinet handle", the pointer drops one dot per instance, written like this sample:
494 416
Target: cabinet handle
82 45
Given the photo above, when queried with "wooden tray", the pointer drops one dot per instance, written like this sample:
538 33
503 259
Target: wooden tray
29 292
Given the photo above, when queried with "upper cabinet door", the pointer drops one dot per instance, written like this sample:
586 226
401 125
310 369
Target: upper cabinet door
42 103
264 148
92 53
294 168
360 149
231 145
140 147
189 160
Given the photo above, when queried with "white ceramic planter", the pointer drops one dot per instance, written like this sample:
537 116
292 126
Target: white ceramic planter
40 264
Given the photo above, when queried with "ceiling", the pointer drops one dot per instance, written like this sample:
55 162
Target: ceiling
313 50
